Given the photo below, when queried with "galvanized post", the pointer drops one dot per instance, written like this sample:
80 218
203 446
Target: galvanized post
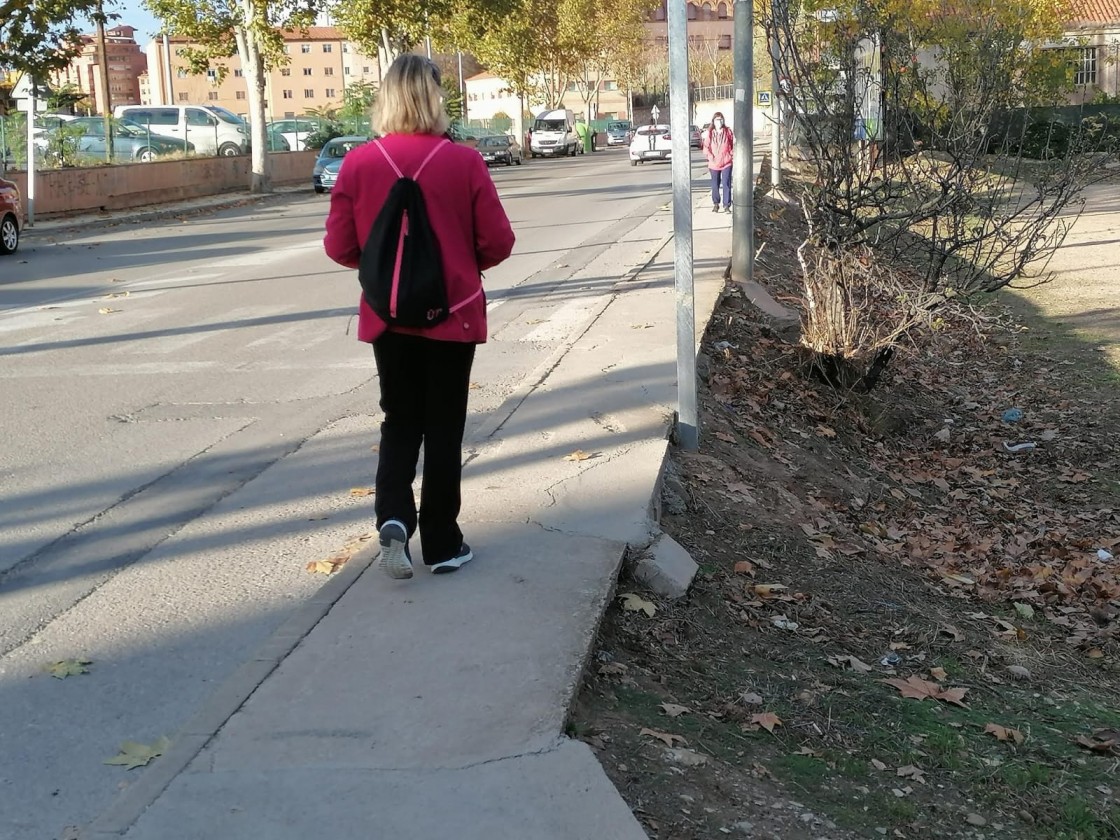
688 425
742 172
775 102
31 108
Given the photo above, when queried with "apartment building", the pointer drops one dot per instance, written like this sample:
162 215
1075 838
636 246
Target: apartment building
126 62
321 63
489 95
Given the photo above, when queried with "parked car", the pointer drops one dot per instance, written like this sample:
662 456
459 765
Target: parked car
694 137
131 141
500 148
11 217
330 158
651 142
277 142
618 133
295 131
211 129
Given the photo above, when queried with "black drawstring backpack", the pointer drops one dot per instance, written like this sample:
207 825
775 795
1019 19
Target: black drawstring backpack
400 269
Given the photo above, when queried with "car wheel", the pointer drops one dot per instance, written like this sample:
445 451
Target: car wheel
633 163
320 190
9 235
145 155
518 161
229 150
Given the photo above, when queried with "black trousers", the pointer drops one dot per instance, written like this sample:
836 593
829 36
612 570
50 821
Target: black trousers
424 386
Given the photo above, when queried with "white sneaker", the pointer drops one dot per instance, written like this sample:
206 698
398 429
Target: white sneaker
457 562
395 559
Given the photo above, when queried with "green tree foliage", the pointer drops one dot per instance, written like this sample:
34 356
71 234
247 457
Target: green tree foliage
250 29
38 36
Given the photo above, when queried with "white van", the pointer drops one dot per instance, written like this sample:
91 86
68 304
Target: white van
554 133
211 129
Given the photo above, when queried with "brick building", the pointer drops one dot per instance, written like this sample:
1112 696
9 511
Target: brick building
321 63
126 62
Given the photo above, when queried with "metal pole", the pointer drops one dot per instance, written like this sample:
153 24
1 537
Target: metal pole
742 172
463 89
775 104
104 55
688 424
31 107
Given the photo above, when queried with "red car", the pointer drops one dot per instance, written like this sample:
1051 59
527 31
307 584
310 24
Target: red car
11 217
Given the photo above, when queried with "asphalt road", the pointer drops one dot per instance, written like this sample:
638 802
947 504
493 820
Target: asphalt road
185 410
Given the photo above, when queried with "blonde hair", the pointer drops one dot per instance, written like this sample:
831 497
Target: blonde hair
410 100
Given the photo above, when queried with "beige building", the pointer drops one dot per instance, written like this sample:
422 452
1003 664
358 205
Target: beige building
126 62
489 95
1093 49
321 63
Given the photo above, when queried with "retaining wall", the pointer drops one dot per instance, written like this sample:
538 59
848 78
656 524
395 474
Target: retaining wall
61 191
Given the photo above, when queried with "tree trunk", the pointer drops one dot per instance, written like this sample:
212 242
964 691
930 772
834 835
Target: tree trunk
252 61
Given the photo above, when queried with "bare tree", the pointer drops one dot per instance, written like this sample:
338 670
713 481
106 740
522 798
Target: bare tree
923 157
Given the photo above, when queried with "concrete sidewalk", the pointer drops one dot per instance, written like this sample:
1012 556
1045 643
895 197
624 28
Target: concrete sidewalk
435 707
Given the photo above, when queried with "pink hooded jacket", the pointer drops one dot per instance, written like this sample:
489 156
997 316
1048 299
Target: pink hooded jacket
719 147
466 215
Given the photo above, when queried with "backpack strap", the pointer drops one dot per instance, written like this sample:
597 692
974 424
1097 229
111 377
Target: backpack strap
397 169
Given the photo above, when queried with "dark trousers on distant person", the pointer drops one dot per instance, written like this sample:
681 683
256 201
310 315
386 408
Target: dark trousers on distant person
721 178
424 387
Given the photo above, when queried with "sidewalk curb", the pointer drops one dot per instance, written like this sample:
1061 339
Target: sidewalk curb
159 212
220 706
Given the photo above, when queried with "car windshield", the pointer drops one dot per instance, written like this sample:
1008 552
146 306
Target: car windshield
549 125
227 116
493 142
335 149
618 126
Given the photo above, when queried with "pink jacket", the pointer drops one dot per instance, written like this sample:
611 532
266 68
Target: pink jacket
718 147
465 212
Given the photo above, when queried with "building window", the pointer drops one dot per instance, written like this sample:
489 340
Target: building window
328 71
365 71
328 47
238 73
307 71
572 88
212 75
289 114
721 11
305 48
285 71
287 94
1084 62
308 93
346 46
183 97
725 42
610 84
345 71
212 95
181 73
240 94
287 49
330 93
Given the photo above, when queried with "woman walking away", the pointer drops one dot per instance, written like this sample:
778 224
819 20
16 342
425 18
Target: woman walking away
719 144
421 219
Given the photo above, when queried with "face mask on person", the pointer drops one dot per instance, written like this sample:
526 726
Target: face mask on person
719 123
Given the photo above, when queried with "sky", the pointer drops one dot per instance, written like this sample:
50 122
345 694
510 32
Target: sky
132 13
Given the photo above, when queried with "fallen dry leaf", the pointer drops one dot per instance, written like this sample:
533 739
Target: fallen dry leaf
767 720
911 772
850 662
636 603
107 310
877 764
609 668
939 674
361 491
674 710
1004 733
68 668
133 754
767 590
579 455
326 567
915 688
744 567
1102 741
667 738
727 437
